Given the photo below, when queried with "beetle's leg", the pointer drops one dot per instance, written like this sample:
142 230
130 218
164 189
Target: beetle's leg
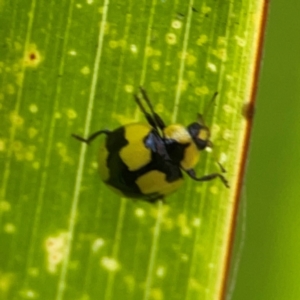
160 123
91 137
223 170
208 177
207 109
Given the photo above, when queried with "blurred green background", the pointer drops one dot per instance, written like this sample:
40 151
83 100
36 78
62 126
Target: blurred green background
270 261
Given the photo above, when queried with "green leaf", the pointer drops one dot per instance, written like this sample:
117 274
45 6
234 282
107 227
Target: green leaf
73 67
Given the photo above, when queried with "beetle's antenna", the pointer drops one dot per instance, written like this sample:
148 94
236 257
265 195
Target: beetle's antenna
201 120
156 119
210 103
201 117
145 96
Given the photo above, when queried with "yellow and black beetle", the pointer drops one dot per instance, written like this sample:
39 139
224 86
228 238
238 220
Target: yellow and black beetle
146 161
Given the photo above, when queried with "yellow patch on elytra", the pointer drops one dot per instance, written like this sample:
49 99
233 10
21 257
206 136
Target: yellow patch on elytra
155 182
135 134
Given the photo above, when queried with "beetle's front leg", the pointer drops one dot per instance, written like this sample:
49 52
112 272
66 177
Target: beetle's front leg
208 177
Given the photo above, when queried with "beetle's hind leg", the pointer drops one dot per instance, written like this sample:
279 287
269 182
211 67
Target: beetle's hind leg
154 119
91 137
208 177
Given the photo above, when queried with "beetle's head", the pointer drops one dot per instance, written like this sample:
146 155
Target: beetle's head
200 133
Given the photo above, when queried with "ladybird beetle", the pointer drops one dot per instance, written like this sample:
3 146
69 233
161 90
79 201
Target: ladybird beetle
146 161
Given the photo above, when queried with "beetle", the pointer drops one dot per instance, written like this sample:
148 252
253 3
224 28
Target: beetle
146 160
